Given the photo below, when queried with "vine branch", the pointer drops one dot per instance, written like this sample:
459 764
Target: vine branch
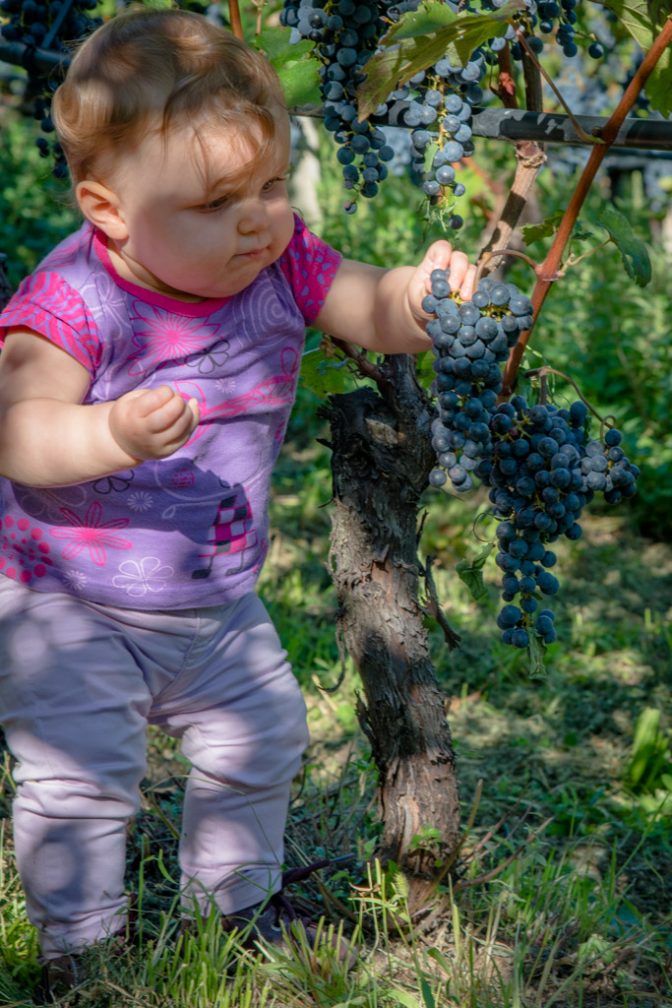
236 20
551 264
580 132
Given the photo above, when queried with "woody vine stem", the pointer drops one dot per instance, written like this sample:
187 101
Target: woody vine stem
235 20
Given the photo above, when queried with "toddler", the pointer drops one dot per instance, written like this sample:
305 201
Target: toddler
148 369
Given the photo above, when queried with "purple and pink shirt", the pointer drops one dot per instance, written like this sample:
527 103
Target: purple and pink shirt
190 530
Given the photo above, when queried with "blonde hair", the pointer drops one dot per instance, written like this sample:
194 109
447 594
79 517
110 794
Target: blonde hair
168 67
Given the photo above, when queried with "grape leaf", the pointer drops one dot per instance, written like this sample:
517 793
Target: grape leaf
633 251
277 46
299 73
544 229
471 572
427 18
643 21
323 375
396 63
300 82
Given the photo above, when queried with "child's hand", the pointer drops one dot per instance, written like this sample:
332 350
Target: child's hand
152 423
440 255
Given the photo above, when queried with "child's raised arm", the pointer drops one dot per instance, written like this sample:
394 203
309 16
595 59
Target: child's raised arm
381 310
48 438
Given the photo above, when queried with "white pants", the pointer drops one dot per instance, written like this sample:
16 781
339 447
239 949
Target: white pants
79 682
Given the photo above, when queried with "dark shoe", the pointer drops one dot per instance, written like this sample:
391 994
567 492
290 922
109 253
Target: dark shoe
58 978
276 922
64 974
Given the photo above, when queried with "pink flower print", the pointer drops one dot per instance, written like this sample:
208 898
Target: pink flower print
161 336
91 533
24 555
276 391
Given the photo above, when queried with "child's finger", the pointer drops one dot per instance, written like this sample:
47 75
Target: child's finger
195 409
459 270
442 255
437 256
468 284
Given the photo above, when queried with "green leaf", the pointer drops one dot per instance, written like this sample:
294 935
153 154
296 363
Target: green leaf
478 28
276 45
323 375
394 66
643 21
426 19
544 229
300 82
535 651
404 999
411 50
294 64
471 572
427 995
649 751
633 251
443 960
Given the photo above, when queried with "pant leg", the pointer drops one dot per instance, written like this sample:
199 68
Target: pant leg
74 710
242 719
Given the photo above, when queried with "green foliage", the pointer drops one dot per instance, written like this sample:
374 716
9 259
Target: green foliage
650 764
298 73
422 37
643 20
633 251
35 210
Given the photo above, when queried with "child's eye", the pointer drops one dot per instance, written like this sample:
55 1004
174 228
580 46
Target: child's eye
273 182
213 205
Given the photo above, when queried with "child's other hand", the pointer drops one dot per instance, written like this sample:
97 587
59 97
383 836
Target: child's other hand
152 423
440 255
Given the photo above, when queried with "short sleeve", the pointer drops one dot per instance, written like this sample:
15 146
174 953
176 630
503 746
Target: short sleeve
310 266
49 306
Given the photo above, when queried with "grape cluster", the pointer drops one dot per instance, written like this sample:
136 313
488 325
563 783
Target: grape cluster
606 468
556 18
439 101
538 492
537 460
345 36
440 108
47 25
542 473
470 340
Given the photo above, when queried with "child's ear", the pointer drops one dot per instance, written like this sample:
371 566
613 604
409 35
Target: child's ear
100 205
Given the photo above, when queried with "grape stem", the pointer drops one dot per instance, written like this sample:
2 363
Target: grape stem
581 133
542 374
487 256
236 20
363 365
506 84
574 260
549 269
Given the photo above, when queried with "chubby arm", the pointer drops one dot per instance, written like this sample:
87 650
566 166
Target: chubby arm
381 310
49 438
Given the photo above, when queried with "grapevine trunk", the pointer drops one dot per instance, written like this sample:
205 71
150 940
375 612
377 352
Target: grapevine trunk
381 457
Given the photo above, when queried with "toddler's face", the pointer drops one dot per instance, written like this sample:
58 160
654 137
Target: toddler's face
187 236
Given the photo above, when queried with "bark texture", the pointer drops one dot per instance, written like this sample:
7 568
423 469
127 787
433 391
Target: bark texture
381 457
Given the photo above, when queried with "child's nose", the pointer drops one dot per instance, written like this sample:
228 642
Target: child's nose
253 217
